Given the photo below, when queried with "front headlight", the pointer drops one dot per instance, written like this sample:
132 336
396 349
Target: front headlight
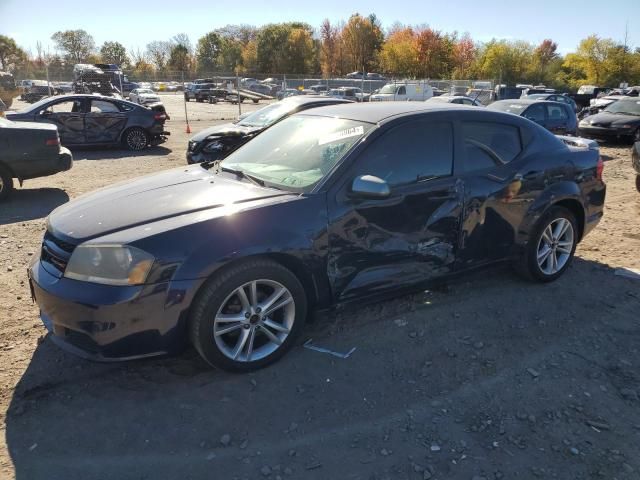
109 264
213 147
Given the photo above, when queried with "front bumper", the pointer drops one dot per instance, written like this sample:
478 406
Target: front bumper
108 323
604 133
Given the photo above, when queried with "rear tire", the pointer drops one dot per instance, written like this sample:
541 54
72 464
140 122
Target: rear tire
6 183
638 183
135 139
551 246
233 326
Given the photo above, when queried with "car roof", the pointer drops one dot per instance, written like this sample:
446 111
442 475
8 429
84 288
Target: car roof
304 99
525 101
378 112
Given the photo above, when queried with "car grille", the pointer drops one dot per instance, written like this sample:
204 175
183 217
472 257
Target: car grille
56 252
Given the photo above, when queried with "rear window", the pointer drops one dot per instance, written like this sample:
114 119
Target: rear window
490 144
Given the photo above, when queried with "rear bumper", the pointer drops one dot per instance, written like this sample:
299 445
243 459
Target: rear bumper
65 159
107 323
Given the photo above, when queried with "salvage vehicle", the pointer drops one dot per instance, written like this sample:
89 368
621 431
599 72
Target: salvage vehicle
619 121
288 92
143 96
215 143
554 97
597 105
334 205
456 99
586 93
29 150
635 162
554 116
400 92
348 93
98 120
199 92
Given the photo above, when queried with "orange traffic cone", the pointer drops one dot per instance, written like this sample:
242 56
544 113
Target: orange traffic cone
188 128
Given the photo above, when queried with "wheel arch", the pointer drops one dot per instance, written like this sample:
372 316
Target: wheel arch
562 194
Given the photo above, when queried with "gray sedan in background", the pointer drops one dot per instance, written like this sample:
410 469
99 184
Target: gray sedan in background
97 120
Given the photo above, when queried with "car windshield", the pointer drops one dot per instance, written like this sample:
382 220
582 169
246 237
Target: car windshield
629 107
268 115
146 90
391 88
508 107
298 152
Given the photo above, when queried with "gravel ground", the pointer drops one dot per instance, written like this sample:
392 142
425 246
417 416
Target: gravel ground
486 378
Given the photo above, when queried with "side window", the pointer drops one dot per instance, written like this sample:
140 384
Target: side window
414 151
489 144
466 101
535 112
556 112
401 91
70 106
100 106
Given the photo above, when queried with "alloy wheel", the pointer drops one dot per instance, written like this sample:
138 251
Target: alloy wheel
136 139
555 246
254 320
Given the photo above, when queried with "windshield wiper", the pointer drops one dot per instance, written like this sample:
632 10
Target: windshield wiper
243 174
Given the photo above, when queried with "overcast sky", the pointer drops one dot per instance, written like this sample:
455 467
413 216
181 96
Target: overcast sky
136 23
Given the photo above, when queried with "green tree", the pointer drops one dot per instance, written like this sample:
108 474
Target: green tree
300 51
180 58
158 53
10 53
77 45
114 52
208 52
398 55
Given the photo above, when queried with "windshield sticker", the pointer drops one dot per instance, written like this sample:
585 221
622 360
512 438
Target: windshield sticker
346 133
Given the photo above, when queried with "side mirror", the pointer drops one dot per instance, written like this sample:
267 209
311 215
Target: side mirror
369 186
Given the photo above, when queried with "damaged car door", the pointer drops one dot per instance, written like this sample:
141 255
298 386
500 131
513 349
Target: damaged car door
104 122
69 117
396 220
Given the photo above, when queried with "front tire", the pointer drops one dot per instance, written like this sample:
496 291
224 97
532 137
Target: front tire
136 139
248 316
6 183
551 247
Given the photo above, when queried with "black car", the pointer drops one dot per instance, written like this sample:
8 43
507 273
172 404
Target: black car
554 97
29 150
329 206
554 116
620 120
97 120
200 92
215 143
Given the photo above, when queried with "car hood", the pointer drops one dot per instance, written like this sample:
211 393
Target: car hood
605 119
225 130
151 198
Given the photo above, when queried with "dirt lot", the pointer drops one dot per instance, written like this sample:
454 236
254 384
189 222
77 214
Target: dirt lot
486 378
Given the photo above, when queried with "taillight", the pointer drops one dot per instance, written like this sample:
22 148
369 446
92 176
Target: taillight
160 116
599 168
52 142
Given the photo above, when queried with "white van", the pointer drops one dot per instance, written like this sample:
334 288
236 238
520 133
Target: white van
405 91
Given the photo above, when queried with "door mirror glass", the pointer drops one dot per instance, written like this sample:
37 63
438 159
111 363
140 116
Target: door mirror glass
369 186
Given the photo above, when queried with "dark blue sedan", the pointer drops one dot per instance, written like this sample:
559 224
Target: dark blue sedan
339 204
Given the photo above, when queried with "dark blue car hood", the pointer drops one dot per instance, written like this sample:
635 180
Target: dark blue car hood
227 129
151 198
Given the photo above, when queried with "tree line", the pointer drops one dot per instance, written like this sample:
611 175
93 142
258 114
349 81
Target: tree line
334 49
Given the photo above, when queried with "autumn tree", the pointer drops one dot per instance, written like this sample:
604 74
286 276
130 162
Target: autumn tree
114 52
300 51
398 55
179 58
464 54
77 45
362 40
329 48
544 54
